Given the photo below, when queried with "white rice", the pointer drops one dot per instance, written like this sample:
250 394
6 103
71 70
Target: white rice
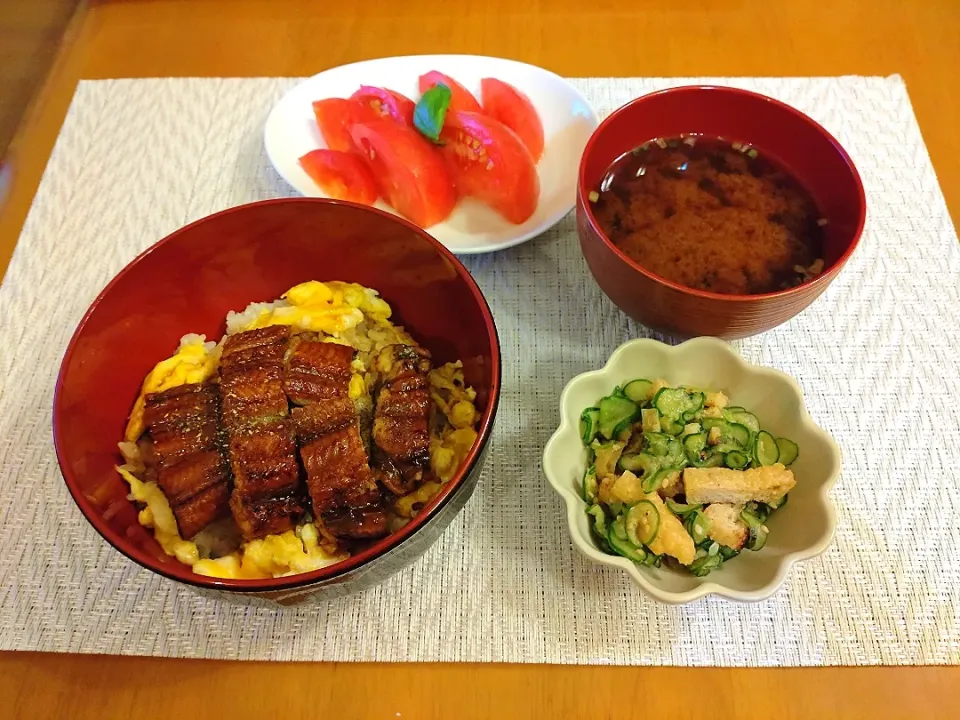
237 321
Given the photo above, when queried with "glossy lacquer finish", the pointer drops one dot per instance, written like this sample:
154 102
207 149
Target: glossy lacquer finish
188 282
808 150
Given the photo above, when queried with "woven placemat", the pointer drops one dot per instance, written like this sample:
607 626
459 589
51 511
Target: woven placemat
877 357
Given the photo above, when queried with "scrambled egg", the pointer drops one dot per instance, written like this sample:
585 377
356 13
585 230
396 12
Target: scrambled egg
455 402
195 361
331 308
295 551
292 552
158 515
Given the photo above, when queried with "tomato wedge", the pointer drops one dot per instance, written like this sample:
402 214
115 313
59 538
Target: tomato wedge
341 175
460 97
505 103
386 103
490 163
410 174
334 118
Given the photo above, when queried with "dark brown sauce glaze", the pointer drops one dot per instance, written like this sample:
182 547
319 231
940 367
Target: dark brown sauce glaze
712 215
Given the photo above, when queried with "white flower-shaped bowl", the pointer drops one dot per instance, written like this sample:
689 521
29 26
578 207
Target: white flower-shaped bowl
799 531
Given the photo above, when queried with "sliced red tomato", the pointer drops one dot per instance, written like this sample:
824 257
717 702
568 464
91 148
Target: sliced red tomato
341 175
386 103
334 120
460 97
335 116
490 163
505 103
410 174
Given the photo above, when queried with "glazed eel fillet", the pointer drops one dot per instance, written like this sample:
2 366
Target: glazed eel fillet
183 425
345 496
266 496
401 424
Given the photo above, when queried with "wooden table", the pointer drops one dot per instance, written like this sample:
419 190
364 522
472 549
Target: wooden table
575 38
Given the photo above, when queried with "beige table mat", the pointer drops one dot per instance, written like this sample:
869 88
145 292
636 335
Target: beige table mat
878 357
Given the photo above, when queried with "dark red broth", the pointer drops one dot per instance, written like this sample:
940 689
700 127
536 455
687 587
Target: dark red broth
711 214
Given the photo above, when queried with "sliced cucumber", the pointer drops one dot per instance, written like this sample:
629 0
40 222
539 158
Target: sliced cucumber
643 523
619 526
714 459
695 447
699 454
696 400
739 416
652 560
622 546
642 465
736 460
738 433
589 424
650 420
760 510
657 444
680 509
705 565
665 447
654 482
758 531
698 526
599 525
590 484
729 432
757 539
766 451
777 504
614 412
675 455
788 450
728 552
674 402
671 427
638 390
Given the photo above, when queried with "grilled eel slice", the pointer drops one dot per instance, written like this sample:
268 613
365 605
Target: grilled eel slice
183 426
267 493
345 497
401 423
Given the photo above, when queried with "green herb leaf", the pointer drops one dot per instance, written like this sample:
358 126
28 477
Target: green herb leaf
431 110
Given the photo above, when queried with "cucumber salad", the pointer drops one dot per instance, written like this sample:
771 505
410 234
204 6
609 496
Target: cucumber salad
676 474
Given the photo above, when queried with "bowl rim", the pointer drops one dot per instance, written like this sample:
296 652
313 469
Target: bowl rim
183 573
575 504
820 282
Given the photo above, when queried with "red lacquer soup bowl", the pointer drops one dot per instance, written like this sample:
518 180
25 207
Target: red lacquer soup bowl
808 152
187 283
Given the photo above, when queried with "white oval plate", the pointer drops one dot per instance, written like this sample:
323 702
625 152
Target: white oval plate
568 121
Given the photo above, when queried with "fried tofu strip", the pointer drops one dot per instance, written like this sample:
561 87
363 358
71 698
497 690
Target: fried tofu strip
183 425
671 539
266 497
401 431
343 492
726 526
737 487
